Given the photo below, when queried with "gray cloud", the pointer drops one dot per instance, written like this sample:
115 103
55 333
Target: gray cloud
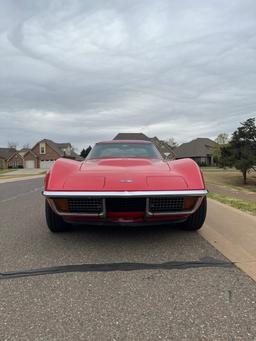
82 71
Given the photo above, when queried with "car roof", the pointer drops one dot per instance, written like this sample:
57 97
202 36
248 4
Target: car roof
124 141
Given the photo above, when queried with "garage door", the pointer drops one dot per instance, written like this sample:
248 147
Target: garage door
30 164
46 164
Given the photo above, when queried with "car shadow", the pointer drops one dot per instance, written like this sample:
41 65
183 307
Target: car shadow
113 231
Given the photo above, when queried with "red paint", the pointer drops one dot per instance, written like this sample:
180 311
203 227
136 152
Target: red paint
126 216
108 175
105 175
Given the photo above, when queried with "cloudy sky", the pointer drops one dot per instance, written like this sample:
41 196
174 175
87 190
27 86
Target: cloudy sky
81 71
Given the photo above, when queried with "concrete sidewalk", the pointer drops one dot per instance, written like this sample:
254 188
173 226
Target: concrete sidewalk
233 233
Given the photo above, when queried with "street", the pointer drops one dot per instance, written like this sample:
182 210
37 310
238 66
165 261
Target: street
156 283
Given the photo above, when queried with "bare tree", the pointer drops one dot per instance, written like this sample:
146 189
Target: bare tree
171 141
12 144
222 138
26 146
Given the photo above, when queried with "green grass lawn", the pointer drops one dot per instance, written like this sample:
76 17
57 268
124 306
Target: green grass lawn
4 171
246 206
230 178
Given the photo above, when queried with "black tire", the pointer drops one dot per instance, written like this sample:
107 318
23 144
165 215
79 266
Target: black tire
54 221
196 220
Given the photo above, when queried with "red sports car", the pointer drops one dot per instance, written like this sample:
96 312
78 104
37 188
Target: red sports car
125 182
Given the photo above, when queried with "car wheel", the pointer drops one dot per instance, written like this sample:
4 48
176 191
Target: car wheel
54 221
196 220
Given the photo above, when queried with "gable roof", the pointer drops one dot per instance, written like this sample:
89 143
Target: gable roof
5 153
29 151
63 145
131 136
23 151
54 146
57 147
15 153
195 148
164 148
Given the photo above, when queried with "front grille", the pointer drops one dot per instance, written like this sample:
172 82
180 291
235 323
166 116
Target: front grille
166 204
136 204
126 204
85 205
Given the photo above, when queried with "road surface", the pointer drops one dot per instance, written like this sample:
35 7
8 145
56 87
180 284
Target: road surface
129 284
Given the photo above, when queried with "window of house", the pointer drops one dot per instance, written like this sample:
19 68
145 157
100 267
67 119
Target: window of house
42 148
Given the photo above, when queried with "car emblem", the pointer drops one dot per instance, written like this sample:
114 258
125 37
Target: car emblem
126 181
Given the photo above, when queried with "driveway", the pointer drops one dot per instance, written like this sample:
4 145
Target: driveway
115 283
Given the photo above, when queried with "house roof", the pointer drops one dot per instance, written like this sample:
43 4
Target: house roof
23 151
75 155
63 145
27 152
57 147
54 146
124 141
131 136
199 147
15 153
164 148
5 153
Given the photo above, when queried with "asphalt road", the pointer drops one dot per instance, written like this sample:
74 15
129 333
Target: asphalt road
130 284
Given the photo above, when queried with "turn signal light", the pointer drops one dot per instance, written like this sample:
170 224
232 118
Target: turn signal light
189 202
61 204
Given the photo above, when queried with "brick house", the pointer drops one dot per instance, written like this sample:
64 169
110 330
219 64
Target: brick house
5 153
45 152
15 160
164 148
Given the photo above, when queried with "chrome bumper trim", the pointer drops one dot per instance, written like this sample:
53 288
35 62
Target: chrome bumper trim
77 214
152 214
124 194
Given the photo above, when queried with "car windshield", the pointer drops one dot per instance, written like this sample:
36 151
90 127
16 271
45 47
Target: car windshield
124 150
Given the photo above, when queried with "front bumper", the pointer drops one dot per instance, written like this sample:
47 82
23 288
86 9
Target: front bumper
123 194
124 217
113 223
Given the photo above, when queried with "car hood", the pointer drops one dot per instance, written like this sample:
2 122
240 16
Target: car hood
127 165
124 175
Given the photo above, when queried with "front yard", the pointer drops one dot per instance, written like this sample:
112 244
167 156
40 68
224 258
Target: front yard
17 174
230 178
243 205
226 186
4 171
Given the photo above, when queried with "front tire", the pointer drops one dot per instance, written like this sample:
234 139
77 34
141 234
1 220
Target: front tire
196 220
54 221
